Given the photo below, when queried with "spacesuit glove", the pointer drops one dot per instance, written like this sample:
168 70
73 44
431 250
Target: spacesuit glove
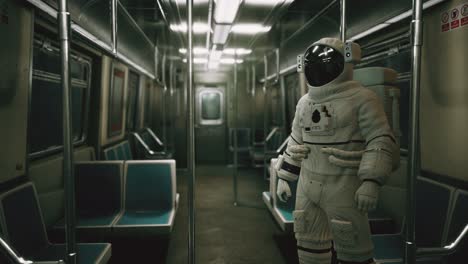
367 195
343 158
283 191
298 152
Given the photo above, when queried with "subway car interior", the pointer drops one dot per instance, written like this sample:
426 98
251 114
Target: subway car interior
234 131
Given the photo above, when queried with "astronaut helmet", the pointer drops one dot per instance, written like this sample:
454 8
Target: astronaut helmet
329 61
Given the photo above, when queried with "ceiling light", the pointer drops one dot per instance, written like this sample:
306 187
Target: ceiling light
196 50
263 2
230 61
198 28
238 51
226 11
249 29
215 55
221 33
197 60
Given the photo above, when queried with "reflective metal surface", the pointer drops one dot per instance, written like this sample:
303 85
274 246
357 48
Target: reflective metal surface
413 169
63 18
191 137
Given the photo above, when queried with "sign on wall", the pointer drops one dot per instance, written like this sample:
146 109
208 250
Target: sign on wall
454 18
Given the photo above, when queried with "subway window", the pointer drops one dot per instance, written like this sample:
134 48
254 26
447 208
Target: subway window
133 92
211 107
45 128
147 112
116 100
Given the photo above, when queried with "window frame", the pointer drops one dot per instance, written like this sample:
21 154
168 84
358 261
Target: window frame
52 46
210 122
110 133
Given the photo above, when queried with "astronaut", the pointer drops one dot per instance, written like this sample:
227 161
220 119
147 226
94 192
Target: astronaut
342 150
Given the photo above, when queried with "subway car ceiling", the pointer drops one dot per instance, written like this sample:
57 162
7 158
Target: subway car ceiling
130 93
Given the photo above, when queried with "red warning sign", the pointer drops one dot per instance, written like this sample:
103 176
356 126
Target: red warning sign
445 27
464 21
454 18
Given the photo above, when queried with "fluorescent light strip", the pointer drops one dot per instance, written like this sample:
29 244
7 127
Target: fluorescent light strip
393 20
226 11
197 60
196 51
198 28
263 2
249 29
238 51
231 61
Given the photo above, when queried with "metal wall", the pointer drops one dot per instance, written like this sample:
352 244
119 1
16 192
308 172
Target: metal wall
106 77
444 97
16 27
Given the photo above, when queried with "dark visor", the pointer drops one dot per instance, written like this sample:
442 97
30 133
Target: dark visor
322 64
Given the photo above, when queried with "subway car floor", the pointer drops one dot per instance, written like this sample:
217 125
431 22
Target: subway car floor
225 234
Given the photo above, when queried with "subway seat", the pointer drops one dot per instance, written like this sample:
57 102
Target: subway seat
23 227
150 198
120 151
433 200
98 196
129 198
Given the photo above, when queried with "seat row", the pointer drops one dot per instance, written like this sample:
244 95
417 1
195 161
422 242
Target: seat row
125 198
113 199
22 226
142 145
440 217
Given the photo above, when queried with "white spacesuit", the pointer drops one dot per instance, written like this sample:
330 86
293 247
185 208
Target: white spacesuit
341 150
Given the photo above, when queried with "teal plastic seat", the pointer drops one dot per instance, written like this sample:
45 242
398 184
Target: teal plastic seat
96 252
24 229
150 198
433 200
120 151
98 196
109 154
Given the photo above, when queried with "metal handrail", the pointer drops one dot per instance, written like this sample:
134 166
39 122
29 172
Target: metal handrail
443 251
271 134
283 146
154 137
12 256
144 145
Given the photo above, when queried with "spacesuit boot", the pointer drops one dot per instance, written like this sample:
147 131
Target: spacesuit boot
351 154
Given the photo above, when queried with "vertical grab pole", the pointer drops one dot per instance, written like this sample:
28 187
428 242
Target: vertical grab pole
343 20
235 130
414 148
63 18
253 108
265 115
164 103
191 136
114 6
